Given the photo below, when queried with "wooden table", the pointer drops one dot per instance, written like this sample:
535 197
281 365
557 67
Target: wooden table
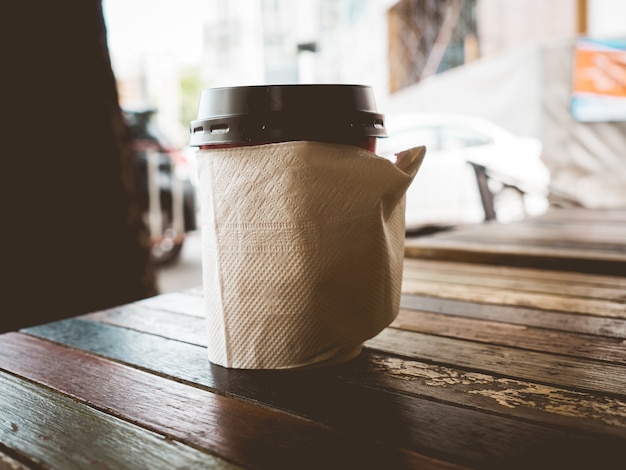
582 240
486 366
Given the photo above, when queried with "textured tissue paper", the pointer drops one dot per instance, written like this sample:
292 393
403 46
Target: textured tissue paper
302 250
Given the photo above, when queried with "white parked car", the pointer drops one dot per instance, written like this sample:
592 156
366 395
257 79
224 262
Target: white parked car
445 191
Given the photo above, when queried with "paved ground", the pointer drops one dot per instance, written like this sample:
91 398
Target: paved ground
187 271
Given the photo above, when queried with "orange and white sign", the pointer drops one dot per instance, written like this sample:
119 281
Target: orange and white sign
599 80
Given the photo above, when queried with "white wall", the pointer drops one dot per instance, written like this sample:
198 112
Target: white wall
508 24
606 18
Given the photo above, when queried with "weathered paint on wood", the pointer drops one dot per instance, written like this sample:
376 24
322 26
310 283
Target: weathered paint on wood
35 421
571 373
522 399
525 400
487 366
238 431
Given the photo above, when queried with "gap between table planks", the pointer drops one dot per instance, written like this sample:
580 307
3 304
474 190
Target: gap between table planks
36 419
242 432
523 397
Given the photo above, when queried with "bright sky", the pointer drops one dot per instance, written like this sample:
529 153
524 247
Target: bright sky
136 27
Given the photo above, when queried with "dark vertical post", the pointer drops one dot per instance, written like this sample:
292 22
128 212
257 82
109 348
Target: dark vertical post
73 238
486 196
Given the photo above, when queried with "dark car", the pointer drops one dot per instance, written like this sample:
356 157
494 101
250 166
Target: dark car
166 195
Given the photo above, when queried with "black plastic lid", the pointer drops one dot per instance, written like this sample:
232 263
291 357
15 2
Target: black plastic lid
278 113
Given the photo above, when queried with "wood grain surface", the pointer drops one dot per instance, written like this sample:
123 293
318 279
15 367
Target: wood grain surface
38 419
577 240
533 401
242 432
399 376
491 363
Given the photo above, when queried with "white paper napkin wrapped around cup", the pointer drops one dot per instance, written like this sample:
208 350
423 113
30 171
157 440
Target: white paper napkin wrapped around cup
302 250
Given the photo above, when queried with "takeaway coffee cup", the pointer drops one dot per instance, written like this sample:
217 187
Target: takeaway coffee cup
302 224
253 115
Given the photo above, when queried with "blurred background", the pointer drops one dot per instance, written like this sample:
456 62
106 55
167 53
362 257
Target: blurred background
532 94
164 52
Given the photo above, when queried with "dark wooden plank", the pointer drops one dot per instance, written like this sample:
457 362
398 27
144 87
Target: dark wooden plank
562 321
566 234
578 409
585 260
518 336
536 230
578 241
584 252
11 462
238 431
36 420
514 255
571 373
519 279
324 395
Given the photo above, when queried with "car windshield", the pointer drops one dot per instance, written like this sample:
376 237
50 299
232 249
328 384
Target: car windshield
436 137
406 138
458 137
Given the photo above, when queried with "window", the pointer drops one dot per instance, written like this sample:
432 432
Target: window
428 37
408 138
458 137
